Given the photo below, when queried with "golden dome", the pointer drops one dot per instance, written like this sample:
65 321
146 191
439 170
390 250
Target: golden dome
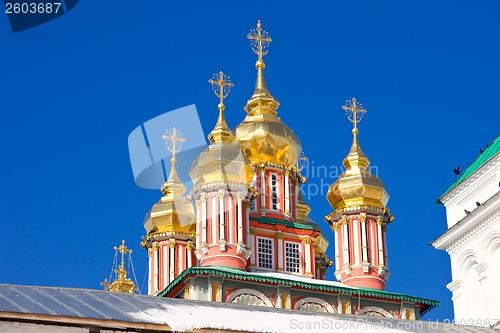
173 213
262 136
222 161
357 186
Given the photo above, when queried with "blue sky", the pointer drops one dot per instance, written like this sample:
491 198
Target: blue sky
73 89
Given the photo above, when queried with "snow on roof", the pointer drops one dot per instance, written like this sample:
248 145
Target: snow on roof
111 309
302 279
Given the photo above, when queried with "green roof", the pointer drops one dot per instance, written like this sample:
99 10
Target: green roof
232 273
484 157
271 221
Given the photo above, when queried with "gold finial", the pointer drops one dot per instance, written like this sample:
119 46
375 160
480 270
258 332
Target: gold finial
259 40
221 84
173 141
262 101
122 249
355 113
122 283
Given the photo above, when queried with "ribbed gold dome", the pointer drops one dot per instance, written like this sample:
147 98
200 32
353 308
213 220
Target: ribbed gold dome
357 185
222 160
262 136
173 213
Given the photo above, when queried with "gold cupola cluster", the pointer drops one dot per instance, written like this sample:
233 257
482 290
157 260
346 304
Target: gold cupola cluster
262 136
222 161
357 186
173 213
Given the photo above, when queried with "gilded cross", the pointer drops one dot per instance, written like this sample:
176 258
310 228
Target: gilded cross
260 40
354 111
105 284
122 249
221 84
174 141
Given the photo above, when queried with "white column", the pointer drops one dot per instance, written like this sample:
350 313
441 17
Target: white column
287 193
337 247
301 256
355 237
281 256
199 227
221 216
262 188
203 219
213 207
239 212
364 245
181 257
164 273
345 241
307 255
155 267
189 249
172 259
230 220
296 209
252 245
380 244
150 272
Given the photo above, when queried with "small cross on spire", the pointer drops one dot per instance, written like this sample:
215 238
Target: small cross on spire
122 249
174 142
260 40
355 113
221 84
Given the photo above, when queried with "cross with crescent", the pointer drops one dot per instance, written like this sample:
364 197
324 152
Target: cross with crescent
221 84
354 111
173 141
260 40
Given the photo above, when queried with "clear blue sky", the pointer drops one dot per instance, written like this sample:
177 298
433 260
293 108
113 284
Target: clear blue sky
73 89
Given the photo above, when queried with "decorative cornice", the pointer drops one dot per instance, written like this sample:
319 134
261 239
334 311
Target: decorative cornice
472 230
466 183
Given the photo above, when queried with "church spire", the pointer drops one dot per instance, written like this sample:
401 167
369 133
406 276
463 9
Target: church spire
221 84
122 284
173 185
260 40
356 159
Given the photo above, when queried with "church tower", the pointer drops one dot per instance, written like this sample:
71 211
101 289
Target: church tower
360 217
221 175
280 240
170 227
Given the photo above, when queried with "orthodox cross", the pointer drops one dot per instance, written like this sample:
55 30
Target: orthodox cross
174 141
354 111
122 249
260 40
221 84
105 284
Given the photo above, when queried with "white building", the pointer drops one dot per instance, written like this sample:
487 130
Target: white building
473 238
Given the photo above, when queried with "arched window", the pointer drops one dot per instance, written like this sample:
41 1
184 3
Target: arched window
314 304
249 297
374 311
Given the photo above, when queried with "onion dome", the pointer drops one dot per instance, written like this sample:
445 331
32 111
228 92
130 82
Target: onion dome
173 213
222 161
122 284
262 136
357 186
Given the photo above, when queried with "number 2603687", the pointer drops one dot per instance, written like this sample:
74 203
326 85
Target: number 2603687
32 8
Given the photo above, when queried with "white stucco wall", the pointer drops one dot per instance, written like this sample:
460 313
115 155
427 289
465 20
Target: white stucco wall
473 243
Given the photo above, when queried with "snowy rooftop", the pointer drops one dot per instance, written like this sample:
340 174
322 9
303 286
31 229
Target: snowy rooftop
60 306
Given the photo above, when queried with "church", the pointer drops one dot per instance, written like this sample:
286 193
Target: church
243 235
239 252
